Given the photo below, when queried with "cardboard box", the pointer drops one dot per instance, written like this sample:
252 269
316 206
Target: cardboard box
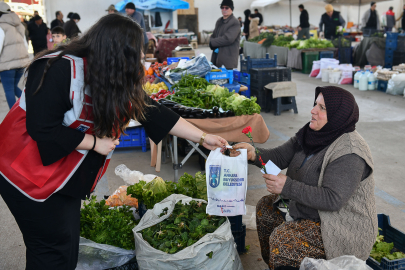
151 60
188 53
149 55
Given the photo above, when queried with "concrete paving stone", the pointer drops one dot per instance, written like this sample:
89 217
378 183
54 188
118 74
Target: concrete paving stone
382 124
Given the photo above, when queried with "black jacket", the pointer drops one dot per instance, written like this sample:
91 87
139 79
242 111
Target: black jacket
55 23
304 19
331 23
258 15
37 34
71 29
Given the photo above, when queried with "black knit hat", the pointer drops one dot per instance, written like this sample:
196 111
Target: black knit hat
130 5
69 16
228 3
372 4
37 17
75 16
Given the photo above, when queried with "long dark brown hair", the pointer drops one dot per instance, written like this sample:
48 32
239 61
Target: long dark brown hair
114 73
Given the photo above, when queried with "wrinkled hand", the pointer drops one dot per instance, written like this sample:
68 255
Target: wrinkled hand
105 145
275 183
212 142
251 154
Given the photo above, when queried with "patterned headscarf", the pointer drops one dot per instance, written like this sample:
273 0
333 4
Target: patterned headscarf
343 114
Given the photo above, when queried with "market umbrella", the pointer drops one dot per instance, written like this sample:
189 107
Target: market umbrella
263 3
155 5
353 3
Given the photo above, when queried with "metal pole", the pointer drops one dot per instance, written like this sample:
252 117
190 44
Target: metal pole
291 16
358 18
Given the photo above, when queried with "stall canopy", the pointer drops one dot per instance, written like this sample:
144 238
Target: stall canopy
154 5
353 3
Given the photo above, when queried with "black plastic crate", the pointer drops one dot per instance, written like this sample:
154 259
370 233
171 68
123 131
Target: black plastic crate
391 235
131 265
239 238
247 64
401 44
382 86
260 77
264 98
399 58
236 223
345 55
142 209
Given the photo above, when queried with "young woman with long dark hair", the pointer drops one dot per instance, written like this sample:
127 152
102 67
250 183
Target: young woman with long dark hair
57 140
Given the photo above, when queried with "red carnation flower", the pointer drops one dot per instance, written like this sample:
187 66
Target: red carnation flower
246 130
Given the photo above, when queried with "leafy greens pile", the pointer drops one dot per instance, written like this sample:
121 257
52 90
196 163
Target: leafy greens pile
215 95
102 225
186 225
262 36
383 249
158 189
283 41
310 43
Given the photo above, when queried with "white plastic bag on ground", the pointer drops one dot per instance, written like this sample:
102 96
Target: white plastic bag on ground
326 63
347 74
250 218
101 256
396 84
226 183
220 242
340 263
316 68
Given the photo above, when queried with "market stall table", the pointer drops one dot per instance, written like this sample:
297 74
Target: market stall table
255 50
229 128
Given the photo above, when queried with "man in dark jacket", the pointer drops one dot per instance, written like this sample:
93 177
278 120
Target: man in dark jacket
371 19
37 32
136 16
32 20
303 28
71 28
246 24
58 21
258 15
331 19
389 19
225 39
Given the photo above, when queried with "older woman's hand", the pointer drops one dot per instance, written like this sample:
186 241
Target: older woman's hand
275 183
251 154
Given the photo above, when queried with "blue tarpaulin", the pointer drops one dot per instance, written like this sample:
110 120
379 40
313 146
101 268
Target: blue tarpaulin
154 5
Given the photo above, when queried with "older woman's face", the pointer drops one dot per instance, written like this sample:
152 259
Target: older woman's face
319 116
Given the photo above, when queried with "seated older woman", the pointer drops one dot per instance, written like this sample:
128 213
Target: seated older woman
329 183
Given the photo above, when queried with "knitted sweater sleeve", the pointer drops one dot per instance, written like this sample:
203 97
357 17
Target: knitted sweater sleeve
341 179
281 156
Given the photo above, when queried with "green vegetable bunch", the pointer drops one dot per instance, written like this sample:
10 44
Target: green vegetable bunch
189 80
157 190
261 36
268 41
102 225
241 105
283 41
186 225
383 249
310 43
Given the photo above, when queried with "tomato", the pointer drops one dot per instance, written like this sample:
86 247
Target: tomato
165 63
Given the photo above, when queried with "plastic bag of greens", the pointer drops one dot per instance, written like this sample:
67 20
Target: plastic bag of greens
100 256
340 263
199 66
213 251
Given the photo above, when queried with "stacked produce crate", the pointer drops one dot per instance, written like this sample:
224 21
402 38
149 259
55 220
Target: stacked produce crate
308 57
136 137
390 48
238 232
399 53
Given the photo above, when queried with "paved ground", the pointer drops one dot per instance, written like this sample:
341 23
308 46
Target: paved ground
382 124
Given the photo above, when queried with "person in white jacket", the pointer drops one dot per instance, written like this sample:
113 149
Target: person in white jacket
13 52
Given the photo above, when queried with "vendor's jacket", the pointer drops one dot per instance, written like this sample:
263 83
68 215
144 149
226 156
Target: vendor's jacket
20 163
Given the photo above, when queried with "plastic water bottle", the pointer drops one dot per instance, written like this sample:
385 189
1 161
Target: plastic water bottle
363 84
371 81
356 79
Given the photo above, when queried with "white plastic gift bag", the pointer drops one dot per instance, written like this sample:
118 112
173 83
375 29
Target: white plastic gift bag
327 63
226 183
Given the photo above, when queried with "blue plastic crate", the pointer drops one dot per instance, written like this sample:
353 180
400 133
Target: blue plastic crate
136 137
232 87
224 74
247 92
391 235
247 64
391 35
326 54
241 77
171 60
382 86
